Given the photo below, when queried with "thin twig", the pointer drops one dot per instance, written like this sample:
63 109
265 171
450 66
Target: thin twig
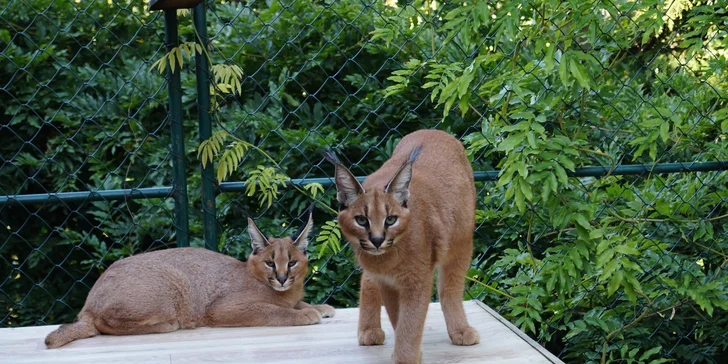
638 219
496 290
528 240
592 151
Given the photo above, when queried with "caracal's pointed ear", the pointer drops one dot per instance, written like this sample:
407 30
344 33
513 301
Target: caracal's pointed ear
300 238
257 239
398 187
348 188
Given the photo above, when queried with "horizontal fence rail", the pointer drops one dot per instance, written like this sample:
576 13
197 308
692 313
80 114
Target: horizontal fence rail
163 192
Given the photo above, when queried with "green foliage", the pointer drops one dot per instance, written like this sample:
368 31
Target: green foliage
175 57
629 263
264 180
314 189
329 238
614 269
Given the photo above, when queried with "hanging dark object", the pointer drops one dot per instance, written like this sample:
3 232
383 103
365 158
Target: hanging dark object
172 4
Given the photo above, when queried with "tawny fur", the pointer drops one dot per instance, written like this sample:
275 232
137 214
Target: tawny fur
433 199
184 288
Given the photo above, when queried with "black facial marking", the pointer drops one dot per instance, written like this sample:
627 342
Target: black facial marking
404 203
342 207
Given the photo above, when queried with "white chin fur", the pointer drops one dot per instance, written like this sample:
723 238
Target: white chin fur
281 289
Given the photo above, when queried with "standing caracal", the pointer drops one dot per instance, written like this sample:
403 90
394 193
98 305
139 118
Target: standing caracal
184 288
416 213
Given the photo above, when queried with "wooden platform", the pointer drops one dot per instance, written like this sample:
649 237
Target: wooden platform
333 341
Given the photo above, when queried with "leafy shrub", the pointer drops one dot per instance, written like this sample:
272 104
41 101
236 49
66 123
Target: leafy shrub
620 268
610 269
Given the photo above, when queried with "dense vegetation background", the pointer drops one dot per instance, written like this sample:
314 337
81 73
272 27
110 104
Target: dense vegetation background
618 269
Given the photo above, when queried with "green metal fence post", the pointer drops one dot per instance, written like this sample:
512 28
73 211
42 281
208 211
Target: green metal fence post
177 135
203 115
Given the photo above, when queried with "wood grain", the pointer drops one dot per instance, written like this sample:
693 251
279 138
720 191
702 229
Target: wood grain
332 341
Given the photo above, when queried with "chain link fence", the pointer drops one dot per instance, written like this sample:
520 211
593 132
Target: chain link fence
597 132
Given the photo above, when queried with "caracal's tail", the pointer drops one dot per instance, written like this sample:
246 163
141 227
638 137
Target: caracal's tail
80 329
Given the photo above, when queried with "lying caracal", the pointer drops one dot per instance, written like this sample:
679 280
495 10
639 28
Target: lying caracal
166 290
414 214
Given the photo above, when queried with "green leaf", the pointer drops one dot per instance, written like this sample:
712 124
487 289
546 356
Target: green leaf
630 293
526 190
549 59
314 189
464 103
430 84
575 257
626 249
522 169
596 234
563 72
630 264
511 142
633 352
561 173
650 353
545 190
664 131
538 128
523 115
610 265
614 283
581 220
180 59
566 162
578 72
519 199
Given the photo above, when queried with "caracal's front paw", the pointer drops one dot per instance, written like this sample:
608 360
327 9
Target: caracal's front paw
325 310
407 358
466 337
371 337
309 316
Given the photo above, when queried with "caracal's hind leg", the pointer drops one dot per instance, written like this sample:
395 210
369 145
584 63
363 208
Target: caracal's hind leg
450 288
127 322
114 327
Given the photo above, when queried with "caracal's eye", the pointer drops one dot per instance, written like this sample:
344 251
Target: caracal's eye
292 263
361 220
270 263
390 220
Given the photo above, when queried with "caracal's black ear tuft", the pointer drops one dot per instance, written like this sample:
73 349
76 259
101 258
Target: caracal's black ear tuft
348 188
331 157
398 186
414 154
300 238
257 239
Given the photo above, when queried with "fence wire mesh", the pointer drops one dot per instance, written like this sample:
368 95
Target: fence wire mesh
616 268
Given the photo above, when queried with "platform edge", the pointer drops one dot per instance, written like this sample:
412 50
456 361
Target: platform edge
547 354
